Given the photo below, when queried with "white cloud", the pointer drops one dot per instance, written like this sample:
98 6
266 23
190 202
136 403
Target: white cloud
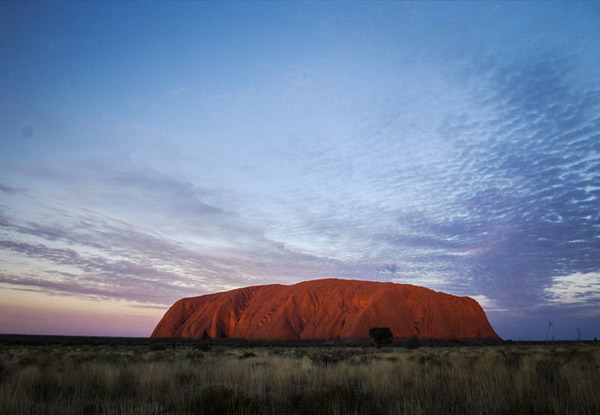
487 303
575 288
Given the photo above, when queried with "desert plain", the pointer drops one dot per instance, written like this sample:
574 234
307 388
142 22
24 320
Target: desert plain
77 375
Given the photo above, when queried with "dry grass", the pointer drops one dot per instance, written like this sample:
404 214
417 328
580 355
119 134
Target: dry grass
134 379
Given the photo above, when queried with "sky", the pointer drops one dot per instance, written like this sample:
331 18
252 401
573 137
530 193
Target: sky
155 151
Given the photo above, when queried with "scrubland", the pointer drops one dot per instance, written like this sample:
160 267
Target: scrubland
200 378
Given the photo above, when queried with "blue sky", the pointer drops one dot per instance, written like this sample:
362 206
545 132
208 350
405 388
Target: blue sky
150 152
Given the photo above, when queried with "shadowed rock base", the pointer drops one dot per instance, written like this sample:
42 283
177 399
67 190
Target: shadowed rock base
326 309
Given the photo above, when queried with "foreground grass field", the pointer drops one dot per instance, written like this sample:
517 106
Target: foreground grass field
203 378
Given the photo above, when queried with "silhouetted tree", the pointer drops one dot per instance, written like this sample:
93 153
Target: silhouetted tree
381 335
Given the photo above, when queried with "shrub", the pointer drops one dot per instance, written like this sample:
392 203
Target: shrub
381 335
204 347
185 376
247 354
158 346
44 389
93 386
90 408
195 356
28 361
413 342
548 370
219 400
327 358
512 359
125 384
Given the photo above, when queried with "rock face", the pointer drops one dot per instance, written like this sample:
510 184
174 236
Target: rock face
326 309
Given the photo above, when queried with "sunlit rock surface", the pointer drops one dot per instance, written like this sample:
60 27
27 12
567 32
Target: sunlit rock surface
326 309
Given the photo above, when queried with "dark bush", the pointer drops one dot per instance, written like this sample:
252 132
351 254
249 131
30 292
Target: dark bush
413 342
90 408
548 371
204 347
28 361
247 354
219 400
185 377
381 335
434 360
93 386
158 346
512 359
327 358
125 384
44 390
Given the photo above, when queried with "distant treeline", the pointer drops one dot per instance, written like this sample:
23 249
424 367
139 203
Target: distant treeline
43 340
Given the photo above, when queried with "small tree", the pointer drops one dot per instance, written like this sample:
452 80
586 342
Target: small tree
381 335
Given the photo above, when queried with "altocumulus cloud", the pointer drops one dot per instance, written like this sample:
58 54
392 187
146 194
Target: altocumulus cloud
490 189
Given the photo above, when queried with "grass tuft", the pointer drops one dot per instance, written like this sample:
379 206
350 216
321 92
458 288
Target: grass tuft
338 400
219 400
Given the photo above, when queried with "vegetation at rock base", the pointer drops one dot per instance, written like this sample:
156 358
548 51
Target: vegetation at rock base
238 378
381 335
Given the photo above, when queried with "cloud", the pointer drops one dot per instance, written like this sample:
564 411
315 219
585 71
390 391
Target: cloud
488 304
178 91
82 252
492 187
575 288
8 189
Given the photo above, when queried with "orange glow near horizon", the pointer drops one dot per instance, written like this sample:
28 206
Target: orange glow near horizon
26 312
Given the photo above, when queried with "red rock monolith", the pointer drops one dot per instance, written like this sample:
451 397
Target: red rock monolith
326 309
